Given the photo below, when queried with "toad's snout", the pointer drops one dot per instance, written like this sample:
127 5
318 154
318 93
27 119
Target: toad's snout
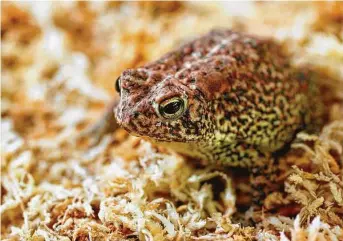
123 118
127 120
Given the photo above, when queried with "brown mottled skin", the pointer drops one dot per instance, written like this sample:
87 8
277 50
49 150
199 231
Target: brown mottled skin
241 99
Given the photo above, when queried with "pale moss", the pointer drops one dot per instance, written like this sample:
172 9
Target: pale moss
57 188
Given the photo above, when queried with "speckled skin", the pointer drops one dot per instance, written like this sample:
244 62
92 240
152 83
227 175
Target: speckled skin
244 100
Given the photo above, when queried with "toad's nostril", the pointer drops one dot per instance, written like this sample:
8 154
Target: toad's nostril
128 118
126 121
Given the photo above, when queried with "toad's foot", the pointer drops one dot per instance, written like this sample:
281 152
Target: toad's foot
105 125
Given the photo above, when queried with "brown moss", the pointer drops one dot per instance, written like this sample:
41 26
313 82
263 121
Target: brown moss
124 188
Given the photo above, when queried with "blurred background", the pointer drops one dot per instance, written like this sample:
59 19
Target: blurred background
103 38
59 61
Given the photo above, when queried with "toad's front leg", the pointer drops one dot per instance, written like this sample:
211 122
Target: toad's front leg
105 125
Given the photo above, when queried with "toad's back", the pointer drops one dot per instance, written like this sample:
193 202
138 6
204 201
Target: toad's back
226 97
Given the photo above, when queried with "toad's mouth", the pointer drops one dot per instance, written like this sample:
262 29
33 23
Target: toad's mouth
154 139
161 140
132 133
136 134
150 138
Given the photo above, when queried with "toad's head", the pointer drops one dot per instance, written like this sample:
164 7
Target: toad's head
161 106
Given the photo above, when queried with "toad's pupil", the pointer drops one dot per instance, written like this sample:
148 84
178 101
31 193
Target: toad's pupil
172 108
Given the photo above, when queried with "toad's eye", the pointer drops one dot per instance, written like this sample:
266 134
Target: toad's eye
117 85
172 108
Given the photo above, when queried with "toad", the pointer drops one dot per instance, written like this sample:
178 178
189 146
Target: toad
226 97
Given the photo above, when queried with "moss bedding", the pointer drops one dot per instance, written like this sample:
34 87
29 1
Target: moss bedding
59 61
